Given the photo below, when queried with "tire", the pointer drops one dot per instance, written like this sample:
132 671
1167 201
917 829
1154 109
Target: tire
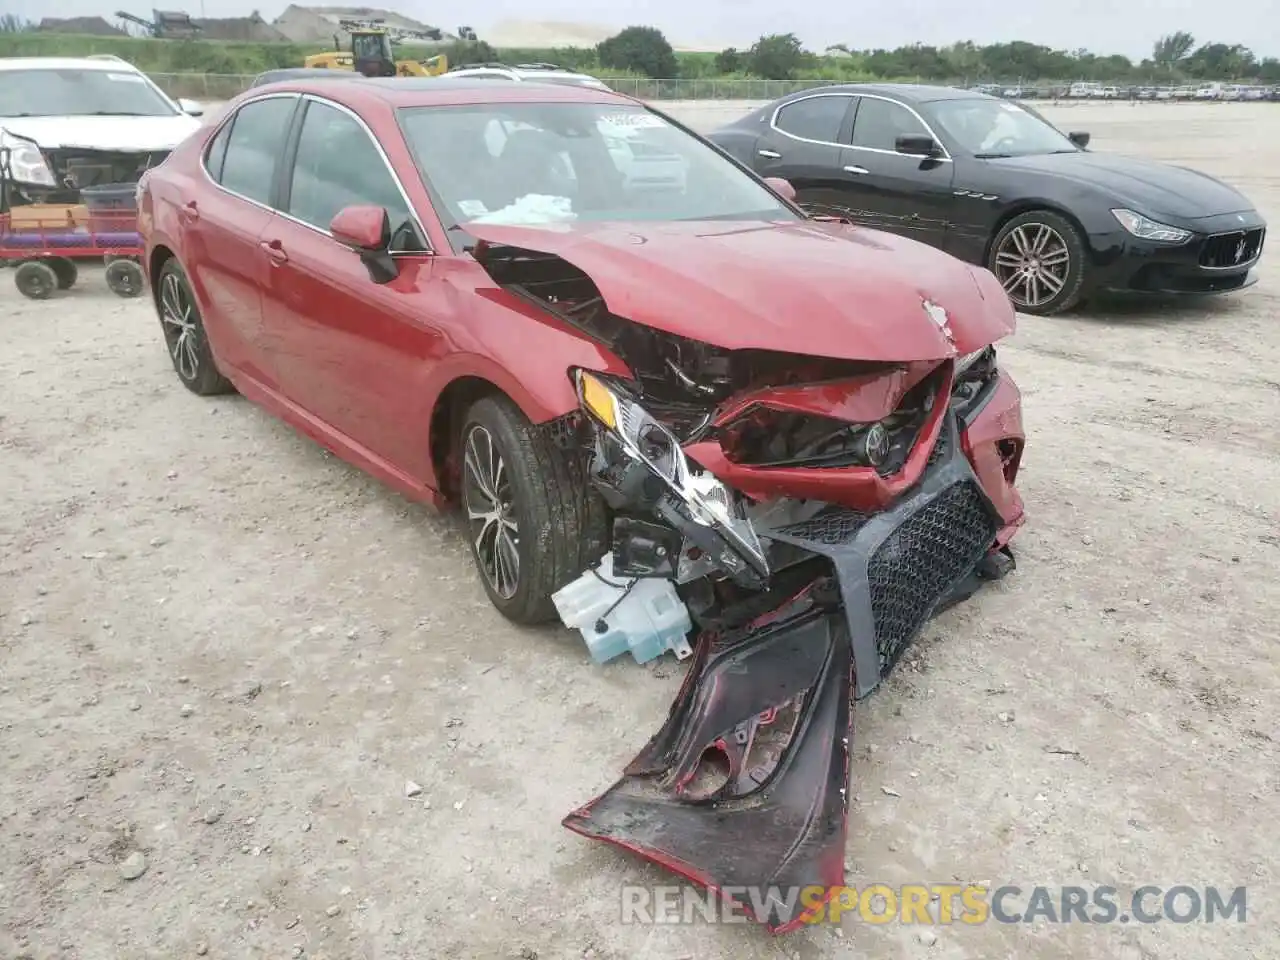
559 522
125 278
35 280
1041 260
184 332
66 272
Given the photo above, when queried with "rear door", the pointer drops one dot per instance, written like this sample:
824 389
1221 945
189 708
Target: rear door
902 193
222 228
351 352
801 144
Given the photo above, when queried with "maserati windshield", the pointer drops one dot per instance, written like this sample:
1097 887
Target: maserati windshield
532 163
79 93
998 128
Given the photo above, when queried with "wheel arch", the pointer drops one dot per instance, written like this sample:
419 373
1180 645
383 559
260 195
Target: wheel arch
159 256
443 425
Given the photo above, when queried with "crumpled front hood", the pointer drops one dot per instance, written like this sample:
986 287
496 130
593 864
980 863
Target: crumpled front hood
103 133
823 289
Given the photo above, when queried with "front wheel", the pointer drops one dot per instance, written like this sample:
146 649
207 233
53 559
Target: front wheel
1040 259
533 521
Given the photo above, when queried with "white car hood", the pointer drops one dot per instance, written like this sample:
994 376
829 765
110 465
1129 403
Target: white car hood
104 133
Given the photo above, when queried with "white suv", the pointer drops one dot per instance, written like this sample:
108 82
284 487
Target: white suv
538 72
68 123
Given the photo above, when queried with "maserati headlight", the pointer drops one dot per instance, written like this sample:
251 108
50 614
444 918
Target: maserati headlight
644 439
23 161
1147 229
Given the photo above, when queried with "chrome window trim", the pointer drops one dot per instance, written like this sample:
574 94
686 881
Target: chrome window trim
382 154
946 154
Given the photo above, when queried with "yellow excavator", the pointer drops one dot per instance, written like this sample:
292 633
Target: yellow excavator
371 53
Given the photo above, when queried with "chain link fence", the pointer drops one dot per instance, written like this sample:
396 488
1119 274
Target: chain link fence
212 86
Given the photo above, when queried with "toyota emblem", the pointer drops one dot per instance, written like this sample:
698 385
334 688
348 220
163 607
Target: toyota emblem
876 445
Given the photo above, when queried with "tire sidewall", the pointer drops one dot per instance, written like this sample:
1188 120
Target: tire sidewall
532 515
1073 290
27 273
207 379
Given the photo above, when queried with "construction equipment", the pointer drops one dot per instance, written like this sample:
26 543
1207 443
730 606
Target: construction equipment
166 25
371 53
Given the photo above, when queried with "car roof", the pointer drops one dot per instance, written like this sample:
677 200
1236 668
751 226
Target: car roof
299 73
444 90
906 92
114 64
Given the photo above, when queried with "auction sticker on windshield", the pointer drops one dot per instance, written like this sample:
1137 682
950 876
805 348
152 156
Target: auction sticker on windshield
635 120
126 77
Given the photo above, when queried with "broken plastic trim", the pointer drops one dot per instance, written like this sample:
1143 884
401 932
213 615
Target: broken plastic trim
778 819
707 501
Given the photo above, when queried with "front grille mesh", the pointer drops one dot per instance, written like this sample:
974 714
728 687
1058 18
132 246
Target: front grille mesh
921 560
830 528
1227 250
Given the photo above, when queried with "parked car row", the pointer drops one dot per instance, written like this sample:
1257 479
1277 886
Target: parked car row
1100 91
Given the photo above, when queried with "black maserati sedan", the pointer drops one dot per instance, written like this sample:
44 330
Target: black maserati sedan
991 181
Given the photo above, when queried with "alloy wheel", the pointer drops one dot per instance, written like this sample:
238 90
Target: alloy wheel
490 504
1032 264
178 315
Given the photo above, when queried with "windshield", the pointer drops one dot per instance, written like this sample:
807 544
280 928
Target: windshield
535 163
79 93
997 128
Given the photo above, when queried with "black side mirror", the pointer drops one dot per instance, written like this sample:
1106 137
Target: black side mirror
1079 138
918 145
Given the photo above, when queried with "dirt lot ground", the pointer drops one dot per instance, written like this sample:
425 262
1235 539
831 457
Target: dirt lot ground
224 650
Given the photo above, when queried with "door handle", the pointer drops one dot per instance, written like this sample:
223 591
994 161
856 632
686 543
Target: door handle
189 211
771 154
853 169
275 250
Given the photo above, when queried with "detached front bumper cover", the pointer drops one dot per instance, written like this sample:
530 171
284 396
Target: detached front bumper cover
744 790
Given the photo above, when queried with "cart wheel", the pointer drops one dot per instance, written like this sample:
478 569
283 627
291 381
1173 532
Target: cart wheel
65 270
125 278
36 280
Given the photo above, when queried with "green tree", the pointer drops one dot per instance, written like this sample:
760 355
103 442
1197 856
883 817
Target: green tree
642 50
1172 48
728 61
12 23
776 57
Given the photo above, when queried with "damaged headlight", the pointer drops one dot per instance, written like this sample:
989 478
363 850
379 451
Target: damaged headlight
709 502
22 161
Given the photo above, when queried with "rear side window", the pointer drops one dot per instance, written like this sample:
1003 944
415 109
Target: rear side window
814 118
217 152
257 140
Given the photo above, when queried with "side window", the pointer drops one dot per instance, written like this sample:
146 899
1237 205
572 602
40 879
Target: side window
814 118
217 151
257 140
338 166
880 123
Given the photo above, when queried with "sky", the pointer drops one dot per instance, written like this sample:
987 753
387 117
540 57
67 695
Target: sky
1101 26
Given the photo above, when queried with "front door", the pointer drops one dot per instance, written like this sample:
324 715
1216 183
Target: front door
352 352
906 194
802 145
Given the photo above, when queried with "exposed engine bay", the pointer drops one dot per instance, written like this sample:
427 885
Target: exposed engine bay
74 168
809 515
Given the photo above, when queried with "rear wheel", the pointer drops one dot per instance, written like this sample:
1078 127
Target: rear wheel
1040 259
533 521
184 333
66 272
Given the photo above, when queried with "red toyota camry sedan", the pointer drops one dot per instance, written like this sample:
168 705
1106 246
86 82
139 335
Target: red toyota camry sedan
622 357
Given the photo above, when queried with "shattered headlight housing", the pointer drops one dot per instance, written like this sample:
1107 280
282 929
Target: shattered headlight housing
22 160
709 502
